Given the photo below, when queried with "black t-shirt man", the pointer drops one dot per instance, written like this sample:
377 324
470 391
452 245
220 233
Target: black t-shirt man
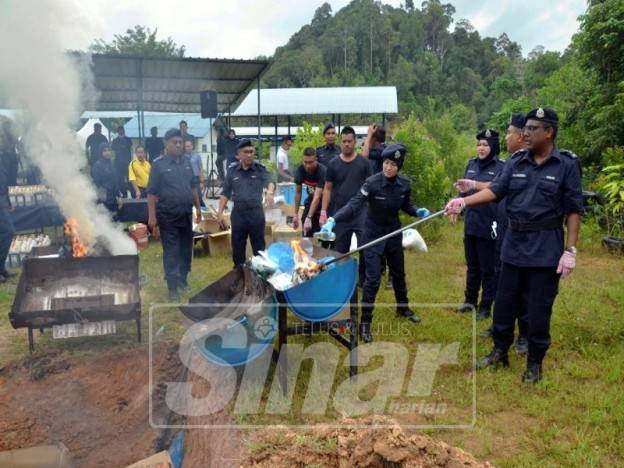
347 179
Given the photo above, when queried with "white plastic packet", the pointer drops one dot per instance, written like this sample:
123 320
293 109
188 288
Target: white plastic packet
412 240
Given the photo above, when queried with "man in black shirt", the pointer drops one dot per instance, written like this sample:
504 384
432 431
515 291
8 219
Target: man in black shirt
345 176
94 141
171 195
312 175
330 149
122 146
154 145
230 148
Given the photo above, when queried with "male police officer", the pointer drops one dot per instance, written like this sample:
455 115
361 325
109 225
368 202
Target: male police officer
479 233
374 144
330 149
542 185
386 192
170 196
244 184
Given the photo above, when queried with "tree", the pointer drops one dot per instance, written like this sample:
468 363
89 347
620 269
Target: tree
140 41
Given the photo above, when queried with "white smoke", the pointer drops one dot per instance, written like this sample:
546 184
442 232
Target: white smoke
39 78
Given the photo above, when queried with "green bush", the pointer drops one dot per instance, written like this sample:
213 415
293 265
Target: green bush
611 186
436 157
307 136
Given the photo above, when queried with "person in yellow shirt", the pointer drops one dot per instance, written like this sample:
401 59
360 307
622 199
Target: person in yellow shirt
138 173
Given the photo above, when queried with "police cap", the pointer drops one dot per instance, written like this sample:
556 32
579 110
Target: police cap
172 133
244 143
544 114
395 152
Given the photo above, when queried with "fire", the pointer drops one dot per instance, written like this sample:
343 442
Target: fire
72 231
305 266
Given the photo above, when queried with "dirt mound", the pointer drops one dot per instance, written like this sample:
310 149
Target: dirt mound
367 446
98 407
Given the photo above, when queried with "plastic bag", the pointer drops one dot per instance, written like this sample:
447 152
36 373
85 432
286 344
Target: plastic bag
412 240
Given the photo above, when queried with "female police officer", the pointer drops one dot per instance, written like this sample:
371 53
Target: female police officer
480 230
386 192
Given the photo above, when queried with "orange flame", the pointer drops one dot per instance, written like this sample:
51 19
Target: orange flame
305 266
72 231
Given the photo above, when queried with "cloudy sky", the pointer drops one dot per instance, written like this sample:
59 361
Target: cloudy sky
247 28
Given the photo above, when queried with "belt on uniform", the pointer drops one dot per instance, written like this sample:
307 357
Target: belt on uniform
541 225
243 205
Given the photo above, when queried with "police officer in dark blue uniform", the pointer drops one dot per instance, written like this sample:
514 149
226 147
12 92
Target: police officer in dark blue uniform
543 188
386 193
480 229
330 149
171 194
244 184
6 225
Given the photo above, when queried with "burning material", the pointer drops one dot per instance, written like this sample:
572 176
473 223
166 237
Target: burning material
72 231
306 267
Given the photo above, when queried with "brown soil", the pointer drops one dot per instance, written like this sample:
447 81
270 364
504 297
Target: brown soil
97 407
367 446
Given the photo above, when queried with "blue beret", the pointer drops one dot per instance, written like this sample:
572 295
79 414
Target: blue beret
244 143
328 126
517 120
395 152
544 114
172 133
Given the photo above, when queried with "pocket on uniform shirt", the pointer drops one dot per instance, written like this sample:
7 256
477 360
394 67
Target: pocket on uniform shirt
549 187
518 184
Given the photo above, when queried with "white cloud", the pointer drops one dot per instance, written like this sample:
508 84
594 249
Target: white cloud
247 28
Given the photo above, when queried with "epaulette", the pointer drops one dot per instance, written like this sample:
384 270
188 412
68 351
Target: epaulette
234 165
518 153
568 153
159 158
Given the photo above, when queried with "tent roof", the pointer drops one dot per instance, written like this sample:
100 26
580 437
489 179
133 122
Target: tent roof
310 101
171 84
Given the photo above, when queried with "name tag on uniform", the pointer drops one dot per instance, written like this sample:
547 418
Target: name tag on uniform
470 171
490 172
519 175
236 178
380 198
549 177
253 176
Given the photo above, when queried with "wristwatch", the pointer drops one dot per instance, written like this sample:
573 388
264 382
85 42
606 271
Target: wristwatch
572 250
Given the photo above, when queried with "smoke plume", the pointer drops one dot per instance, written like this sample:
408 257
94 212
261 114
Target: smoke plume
38 77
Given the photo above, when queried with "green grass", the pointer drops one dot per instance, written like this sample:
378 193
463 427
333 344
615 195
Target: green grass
574 417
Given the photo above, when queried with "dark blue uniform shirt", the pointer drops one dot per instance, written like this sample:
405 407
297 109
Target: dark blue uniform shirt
326 153
244 187
538 193
385 198
172 182
478 219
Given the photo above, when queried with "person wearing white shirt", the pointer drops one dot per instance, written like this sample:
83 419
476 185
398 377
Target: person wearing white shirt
283 174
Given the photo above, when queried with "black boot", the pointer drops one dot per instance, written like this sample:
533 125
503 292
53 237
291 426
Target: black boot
465 308
365 332
496 358
483 313
405 311
522 345
533 373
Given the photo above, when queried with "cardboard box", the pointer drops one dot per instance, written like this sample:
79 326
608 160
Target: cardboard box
220 244
209 223
288 210
285 233
158 460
